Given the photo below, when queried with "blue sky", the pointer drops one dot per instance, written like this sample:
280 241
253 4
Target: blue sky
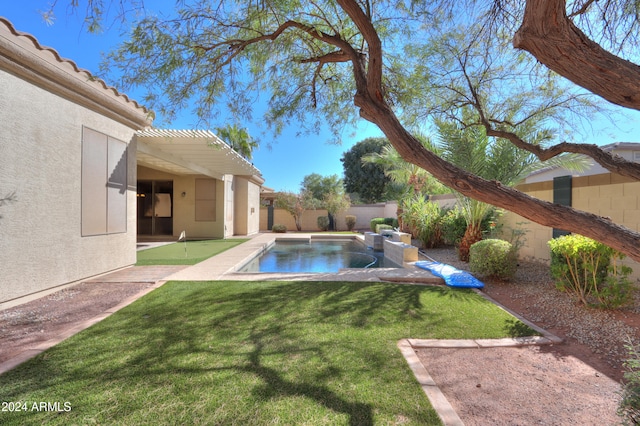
283 166
291 157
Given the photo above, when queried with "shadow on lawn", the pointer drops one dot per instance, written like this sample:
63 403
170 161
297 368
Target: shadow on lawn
275 386
265 330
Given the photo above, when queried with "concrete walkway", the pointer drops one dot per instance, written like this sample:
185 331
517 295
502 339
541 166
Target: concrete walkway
224 266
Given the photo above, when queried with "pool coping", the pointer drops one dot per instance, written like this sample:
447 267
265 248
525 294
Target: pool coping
225 265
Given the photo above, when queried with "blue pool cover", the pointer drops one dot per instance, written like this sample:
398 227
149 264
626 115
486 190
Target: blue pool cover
452 277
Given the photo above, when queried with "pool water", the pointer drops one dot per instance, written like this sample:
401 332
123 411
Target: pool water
317 256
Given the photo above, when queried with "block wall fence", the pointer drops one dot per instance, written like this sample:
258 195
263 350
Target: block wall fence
607 195
363 213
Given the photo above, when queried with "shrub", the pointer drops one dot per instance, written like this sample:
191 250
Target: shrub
350 221
375 222
493 258
453 226
323 222
629 405
423 217
279 228
382 227
391 221
590 271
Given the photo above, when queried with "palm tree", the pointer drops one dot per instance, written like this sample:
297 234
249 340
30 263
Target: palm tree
239 139
408 176
410 179
494 159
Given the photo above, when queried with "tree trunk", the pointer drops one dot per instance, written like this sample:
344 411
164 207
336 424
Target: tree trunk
493 192
549 35
549 19
472 235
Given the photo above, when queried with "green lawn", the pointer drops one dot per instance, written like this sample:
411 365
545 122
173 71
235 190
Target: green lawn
185 254
252 353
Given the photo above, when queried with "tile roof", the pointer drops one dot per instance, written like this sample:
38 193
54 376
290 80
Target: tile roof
22 55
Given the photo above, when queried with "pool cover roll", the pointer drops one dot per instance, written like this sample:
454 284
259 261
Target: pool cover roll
452 277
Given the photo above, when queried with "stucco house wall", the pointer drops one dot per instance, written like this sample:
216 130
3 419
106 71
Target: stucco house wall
247 206
47 106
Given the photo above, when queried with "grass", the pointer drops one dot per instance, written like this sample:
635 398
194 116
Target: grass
196 251
259 353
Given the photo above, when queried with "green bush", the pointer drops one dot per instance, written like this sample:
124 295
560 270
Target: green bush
381 227
281 229
453 226
493 258
629 405
423 219
375 222
350 221
323 222
391 221
590 271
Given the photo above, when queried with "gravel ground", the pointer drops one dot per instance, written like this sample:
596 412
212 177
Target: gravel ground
533 295
27 325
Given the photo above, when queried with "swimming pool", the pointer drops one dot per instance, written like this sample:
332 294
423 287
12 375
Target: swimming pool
317 256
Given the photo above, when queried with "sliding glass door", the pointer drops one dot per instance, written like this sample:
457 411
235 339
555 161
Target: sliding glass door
155 207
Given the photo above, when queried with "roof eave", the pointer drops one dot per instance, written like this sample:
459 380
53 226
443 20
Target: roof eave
22 56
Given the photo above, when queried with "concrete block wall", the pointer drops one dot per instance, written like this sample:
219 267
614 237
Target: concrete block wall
399 252
402 237
371 239
607 195
363 213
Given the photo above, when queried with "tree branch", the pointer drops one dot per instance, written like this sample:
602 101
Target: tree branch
372 79
493 192
236 46
376 110
549 35
613 163
331 57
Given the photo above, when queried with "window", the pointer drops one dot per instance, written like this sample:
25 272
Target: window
104 184
562 190
205 200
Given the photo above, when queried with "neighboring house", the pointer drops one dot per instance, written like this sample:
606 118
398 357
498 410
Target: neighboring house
630 151
89 174
595 190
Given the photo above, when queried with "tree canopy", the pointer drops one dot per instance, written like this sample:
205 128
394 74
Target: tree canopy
336 61
318 187
367 180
